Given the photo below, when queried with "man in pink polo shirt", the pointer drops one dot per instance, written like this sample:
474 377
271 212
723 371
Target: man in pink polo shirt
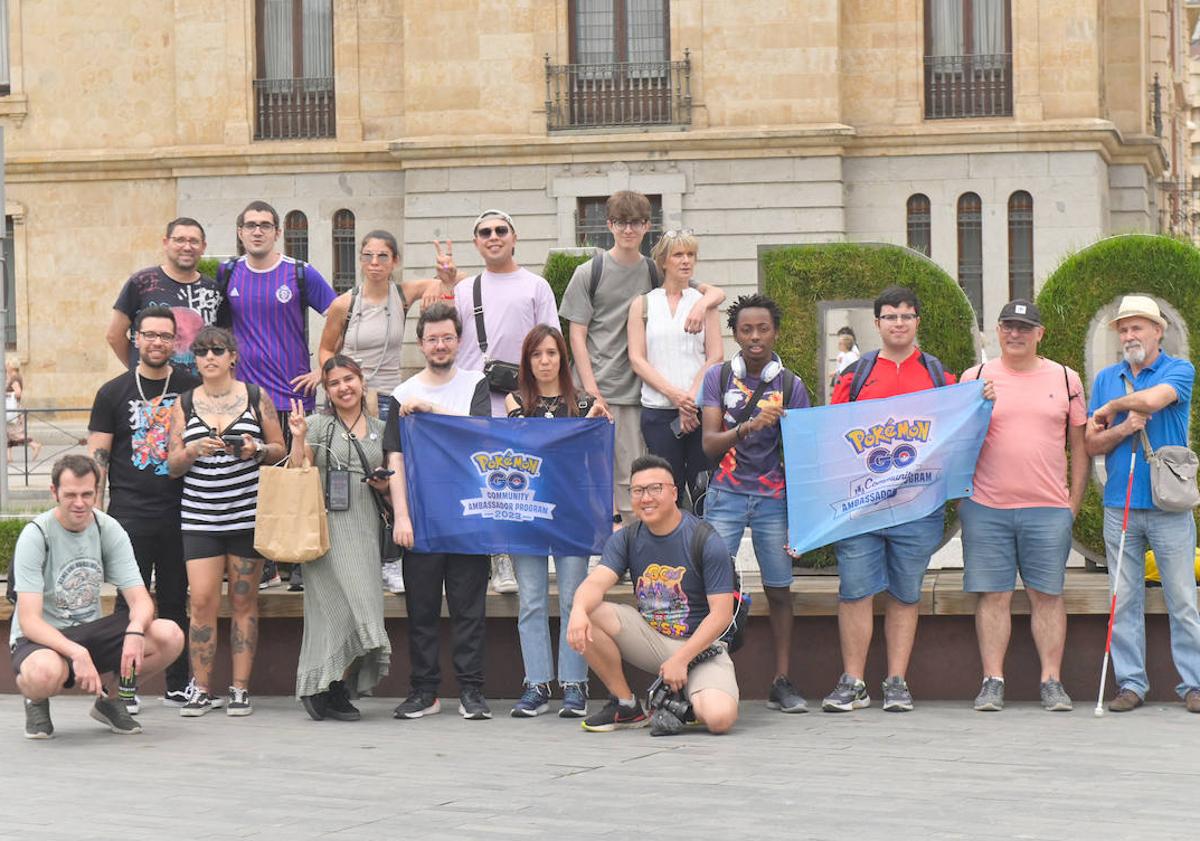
1019 518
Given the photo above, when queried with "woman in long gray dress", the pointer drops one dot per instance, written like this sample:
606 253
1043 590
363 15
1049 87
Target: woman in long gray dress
344 636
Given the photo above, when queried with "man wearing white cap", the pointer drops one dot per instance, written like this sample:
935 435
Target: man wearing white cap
1149 391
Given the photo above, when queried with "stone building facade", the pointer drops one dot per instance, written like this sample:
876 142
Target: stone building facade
997 135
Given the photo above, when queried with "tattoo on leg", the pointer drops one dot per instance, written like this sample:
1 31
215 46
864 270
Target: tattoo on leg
245 566
241 588
203 646
244 640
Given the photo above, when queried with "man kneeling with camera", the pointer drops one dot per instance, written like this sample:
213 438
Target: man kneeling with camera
684 585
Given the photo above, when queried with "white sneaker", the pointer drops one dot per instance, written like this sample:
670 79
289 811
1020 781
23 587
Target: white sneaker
393 576
503 579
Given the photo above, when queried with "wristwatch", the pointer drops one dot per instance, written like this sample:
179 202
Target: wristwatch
260 450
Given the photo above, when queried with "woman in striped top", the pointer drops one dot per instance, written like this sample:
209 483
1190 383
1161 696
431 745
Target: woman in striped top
220 432
671 362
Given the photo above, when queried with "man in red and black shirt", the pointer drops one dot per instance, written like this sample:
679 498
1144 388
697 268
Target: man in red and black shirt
892 559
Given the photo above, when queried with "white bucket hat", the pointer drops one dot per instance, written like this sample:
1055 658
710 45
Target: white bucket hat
1139 306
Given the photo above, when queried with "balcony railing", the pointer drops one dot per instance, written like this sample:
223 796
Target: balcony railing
294 109
632 93
968 86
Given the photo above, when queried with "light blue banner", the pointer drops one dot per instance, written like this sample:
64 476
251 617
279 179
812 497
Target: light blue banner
857 467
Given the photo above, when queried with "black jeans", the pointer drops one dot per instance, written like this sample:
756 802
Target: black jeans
685 454
465 578
161 550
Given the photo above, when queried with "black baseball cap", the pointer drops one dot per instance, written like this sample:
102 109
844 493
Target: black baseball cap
1023 311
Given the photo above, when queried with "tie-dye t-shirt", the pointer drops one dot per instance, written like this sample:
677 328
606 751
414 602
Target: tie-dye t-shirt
672 589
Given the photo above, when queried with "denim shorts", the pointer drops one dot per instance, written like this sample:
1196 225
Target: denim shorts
731 513
999 542
892 559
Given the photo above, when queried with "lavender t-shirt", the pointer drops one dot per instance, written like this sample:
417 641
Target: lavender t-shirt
513 304
752 466
269 326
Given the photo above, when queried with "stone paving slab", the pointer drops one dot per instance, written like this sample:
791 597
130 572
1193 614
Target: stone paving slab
942 772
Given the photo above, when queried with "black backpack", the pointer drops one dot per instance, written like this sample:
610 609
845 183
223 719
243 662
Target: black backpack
597 264
866 363
733 636
10 591
225 312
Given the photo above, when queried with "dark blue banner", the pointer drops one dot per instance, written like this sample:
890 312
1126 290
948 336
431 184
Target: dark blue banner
520 485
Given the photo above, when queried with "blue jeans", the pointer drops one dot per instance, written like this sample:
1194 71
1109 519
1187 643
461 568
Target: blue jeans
533 619
1172 536
892 559
731 513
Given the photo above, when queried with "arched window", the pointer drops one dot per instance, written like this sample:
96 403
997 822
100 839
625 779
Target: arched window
295 235
918 223
343 250
970 250
1020 245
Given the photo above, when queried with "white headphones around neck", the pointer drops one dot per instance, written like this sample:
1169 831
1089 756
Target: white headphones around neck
769 372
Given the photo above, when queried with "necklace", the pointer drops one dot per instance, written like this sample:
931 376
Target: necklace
137 378
349 430
549 405
216 396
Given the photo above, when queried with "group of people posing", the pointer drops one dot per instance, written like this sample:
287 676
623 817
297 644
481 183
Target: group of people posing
220 383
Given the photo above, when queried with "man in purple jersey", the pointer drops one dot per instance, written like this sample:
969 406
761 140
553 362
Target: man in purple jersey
267 313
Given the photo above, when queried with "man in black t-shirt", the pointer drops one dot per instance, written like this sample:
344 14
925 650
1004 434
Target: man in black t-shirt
127 436
177 284
684 606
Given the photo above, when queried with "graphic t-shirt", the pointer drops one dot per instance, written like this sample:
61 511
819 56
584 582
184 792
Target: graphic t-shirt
1023 463
513 304
70 574
268 324
466 394
193 304
753 466
140 493
672 589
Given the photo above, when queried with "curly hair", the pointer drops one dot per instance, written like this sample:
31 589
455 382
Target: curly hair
754 301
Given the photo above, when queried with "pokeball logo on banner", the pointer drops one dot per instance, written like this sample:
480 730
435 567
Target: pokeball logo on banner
507 492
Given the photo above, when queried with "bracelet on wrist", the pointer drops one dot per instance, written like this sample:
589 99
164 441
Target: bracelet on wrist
134 634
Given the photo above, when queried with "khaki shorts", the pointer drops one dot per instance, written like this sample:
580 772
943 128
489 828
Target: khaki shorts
647 649
627 445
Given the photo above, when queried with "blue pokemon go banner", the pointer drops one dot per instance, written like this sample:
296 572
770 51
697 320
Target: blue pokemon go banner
521 485
852 468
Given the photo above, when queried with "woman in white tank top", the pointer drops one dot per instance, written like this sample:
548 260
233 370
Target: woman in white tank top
671 362
367 323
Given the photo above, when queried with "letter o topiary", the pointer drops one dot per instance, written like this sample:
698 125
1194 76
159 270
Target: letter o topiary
1130 264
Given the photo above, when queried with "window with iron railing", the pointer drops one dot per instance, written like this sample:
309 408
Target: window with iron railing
1020 246
293 89
620 72
295 235
345 257
591 223
968 58
970 250
10 287
919 227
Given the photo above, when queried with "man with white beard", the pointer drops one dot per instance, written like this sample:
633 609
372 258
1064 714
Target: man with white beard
1158 403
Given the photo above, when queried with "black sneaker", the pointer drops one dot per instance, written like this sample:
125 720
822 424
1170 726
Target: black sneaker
418 704
37 720
296 580
239 702
784 697
616 716
176 697
199 703
472 705
315 705
113 715
338 703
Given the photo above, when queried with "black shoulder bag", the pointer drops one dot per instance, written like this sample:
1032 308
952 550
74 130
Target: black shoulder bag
389 550
501 376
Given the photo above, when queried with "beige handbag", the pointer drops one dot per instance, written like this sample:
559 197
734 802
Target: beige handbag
290 524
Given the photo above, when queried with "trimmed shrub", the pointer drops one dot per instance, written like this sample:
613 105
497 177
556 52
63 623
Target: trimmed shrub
798 277
208 266
558 269
1166 268
10 529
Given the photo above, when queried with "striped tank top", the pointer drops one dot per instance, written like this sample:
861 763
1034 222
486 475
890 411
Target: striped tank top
220 492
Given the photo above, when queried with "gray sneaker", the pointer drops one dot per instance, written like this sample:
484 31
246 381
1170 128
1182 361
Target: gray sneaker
113 715
849 694
896 697
784 697
991 696
1054 698
37 720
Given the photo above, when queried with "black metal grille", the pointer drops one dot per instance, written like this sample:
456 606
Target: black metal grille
628 93
294 109
968 86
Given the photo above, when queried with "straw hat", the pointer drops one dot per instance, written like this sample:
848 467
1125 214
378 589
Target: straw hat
1140 306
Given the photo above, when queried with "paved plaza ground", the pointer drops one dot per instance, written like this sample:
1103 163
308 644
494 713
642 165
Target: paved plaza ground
942 772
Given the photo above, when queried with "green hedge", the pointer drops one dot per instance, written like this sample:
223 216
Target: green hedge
208 266
558 269
1165 268
9 531
798 277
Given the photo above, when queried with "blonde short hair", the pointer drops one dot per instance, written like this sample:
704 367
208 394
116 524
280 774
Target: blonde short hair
669 240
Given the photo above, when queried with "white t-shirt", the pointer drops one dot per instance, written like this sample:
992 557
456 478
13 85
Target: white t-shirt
465 394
